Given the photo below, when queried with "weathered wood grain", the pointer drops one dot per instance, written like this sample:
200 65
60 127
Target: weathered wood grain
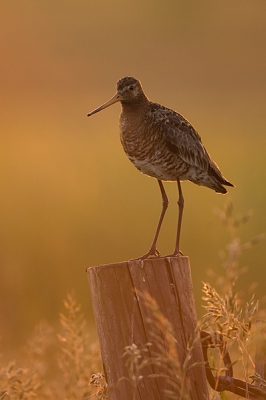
122 319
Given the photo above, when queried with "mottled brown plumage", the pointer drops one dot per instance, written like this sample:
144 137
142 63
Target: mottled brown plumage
161 143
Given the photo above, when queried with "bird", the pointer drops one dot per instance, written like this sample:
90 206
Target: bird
163 144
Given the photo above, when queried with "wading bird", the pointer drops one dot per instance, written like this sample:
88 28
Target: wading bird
161 143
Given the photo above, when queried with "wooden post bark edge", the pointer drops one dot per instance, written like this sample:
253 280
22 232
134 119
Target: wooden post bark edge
121 320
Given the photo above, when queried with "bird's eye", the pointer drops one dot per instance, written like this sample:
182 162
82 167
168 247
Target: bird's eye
131 87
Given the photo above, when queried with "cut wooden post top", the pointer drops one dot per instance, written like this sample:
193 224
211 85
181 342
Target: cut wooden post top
122 319
180 260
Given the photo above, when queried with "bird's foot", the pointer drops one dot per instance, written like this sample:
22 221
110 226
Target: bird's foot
176 253
153 252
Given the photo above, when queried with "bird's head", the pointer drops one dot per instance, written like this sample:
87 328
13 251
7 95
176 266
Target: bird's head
129 90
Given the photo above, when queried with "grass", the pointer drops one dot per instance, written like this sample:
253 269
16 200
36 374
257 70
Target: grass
65 364
162 354
57 365
230 311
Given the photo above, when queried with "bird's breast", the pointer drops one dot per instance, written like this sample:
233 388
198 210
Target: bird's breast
137 140
147 150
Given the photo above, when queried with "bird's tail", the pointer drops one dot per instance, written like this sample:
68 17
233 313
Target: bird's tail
225 182
214 184
219 188
217 179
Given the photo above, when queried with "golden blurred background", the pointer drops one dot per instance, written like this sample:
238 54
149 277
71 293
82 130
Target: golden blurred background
69 197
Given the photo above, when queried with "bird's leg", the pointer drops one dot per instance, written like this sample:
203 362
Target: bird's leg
153 251
179 222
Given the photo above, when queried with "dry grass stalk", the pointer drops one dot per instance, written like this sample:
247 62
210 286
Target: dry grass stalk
228 311
162 354
57 367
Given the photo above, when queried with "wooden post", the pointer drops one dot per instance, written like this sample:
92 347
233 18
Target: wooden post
122 319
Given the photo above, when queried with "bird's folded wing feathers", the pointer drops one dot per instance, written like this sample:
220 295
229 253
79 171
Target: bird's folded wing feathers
182 139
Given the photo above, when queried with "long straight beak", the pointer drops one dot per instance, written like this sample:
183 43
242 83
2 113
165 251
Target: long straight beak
113 100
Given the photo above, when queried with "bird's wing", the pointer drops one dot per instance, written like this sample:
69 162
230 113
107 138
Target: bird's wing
183 140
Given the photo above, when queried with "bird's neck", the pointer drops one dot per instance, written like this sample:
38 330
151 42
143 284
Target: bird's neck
135 108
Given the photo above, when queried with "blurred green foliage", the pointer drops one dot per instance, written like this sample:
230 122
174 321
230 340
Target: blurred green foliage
69 197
